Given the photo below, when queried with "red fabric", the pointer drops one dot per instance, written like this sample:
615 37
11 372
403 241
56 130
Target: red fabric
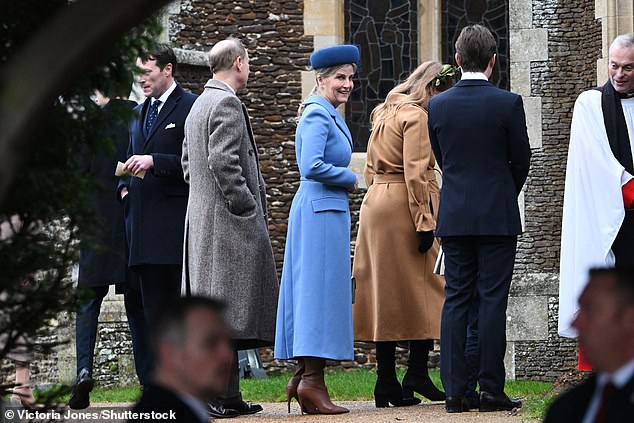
582 363
628 194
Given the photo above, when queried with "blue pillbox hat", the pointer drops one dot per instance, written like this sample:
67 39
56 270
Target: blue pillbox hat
335 55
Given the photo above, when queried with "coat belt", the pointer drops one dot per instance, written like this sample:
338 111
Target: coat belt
388 178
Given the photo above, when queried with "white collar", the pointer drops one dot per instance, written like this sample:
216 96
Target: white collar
196 405
474 75
620 377
166 94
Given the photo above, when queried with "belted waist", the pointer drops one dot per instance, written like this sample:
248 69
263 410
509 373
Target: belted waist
399 178
388 178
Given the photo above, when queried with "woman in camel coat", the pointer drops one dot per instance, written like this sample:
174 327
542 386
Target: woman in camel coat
398 296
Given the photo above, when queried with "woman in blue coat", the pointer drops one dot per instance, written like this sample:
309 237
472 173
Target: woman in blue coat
314 316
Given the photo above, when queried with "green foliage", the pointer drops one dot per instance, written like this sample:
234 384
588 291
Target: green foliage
47 210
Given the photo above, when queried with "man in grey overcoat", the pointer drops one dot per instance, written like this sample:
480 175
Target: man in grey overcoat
227 250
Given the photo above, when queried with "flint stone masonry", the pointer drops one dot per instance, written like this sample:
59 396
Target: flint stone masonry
574 45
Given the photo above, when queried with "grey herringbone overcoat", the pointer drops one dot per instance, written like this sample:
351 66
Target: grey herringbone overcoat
227 250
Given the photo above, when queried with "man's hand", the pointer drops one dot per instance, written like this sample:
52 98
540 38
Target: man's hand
123 192
138 163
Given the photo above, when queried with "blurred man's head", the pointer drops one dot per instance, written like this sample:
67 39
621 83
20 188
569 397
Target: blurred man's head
157 68
475 49
605 320
621 63
193 347
229 62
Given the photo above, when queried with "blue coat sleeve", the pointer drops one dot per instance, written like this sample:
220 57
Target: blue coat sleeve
315 128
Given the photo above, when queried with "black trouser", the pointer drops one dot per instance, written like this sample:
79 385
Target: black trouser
86 324
623 246
159 283
484 264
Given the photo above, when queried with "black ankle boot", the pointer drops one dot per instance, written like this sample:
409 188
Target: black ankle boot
387 389
417 377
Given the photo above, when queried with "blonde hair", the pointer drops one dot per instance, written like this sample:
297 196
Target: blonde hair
416 89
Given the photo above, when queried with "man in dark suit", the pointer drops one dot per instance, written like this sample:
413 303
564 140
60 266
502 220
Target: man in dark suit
605 325
478 134
194 355
155 205
103 262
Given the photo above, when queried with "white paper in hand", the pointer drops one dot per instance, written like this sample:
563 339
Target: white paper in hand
120 172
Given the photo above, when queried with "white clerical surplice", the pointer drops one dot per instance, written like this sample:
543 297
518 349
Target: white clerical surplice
593 203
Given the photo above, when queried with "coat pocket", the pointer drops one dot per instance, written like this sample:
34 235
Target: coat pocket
330 204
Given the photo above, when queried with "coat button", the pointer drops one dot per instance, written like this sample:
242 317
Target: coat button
251 152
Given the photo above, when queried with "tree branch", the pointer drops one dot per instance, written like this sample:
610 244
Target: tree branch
69 44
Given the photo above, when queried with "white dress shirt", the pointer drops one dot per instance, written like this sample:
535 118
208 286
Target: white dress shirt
619 379
196 405
164 97
474 75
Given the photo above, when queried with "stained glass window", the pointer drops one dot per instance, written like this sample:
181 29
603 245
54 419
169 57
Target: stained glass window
386 31
494 14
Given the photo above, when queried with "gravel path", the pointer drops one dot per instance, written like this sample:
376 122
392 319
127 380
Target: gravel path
360 412
366 412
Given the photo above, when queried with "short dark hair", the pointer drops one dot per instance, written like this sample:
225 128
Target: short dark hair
163 54
474 47
168 323
623 281
223 58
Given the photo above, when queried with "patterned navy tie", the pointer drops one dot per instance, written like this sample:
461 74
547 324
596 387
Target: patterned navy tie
151 116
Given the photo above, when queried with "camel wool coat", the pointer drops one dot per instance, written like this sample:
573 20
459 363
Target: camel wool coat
227 251
398 297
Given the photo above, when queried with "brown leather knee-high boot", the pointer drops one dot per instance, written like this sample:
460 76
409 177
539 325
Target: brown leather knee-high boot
291 386
312 393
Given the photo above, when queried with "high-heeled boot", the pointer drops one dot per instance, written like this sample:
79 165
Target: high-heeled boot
312 393
388 389
293 382
417 375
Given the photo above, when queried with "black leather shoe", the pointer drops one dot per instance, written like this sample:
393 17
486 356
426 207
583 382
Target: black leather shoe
80 394
218 411
499 402
473 399
244 408
456 404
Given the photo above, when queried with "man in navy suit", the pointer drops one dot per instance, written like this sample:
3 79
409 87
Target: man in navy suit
194 354
155 205
605 324
478 134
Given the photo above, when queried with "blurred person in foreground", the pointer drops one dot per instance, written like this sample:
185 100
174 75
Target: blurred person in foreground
194 354
399 297
605 327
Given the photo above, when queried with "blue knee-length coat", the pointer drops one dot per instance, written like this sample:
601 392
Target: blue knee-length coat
314 315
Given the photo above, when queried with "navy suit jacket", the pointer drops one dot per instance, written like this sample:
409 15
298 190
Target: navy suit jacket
161 400
478 135
155 206
571 406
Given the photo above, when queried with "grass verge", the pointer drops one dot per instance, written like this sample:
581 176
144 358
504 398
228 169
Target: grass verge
357 385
